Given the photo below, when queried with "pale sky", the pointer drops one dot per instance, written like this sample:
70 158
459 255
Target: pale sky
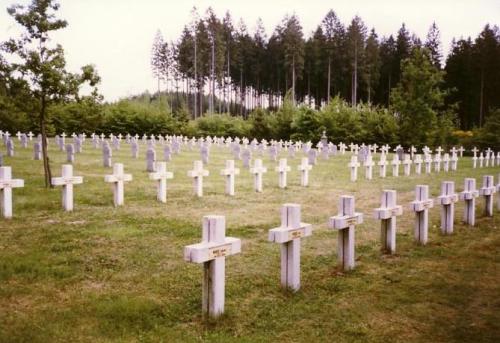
116 35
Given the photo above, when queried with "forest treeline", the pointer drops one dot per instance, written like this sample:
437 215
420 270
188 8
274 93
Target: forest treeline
239 70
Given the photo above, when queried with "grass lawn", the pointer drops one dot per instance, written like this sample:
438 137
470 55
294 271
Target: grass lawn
105 274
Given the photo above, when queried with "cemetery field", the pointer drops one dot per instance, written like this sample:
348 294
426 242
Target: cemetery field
105 274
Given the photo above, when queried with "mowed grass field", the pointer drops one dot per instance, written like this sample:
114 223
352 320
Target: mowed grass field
105 274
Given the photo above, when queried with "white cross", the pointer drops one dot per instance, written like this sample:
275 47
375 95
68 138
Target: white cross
6 185
487 192
67 180
454 161
117 179
345 223
418 164
437 163
161 175
257 170
387 213
354 164
212 252
447 200
481 160
461 149
282 170
18 134
382 164
369 167
469 195
407 165
197 174
395 165
230 172
30 135
475 151
453 150
439 150
421 206
304 169
288 235
446 162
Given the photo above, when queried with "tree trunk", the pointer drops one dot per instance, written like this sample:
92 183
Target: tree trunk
481 99
293 80
46 164
328 93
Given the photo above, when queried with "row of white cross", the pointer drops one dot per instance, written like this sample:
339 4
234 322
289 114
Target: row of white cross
161 175
449 163
215 246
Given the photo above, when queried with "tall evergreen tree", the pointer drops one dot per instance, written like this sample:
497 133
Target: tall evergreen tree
157 58
433 44
372 74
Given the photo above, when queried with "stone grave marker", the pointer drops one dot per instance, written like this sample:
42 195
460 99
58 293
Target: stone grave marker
481 160
230 173
10 147
395 165
197 173
67 180
150 159
312 155
205 153
487 192
160 175
428 163
282 170
447 200
304 169
246 157
70 153
382 165
212 252
106 155
167 153
354 165
469 195
437 163
453 162
273 153
387 213
134 148
345 223
368 164
118 178
78 145
446 162
257 171
288 235
6 185
418 164
421 206
407 165
37 151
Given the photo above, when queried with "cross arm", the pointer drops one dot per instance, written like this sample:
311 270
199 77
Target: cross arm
204 252
341 222
387 212
286 234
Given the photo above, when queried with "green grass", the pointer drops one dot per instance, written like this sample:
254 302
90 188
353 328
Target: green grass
102 274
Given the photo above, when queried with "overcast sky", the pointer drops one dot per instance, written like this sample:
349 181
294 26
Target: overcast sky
116 35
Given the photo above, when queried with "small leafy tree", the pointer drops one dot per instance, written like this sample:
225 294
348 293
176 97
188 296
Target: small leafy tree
43 66
418 98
